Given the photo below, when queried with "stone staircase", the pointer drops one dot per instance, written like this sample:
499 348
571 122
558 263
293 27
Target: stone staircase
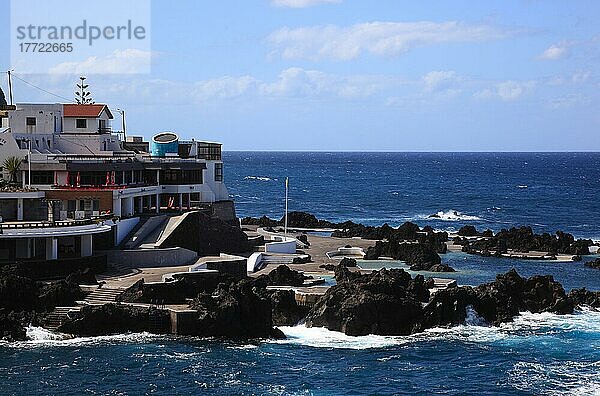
278 259
57 317
102 295
115 269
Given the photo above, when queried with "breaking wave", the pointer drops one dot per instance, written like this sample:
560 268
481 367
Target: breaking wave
450 215
38 336
525 328
261 178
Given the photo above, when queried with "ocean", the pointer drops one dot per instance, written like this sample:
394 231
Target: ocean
536 354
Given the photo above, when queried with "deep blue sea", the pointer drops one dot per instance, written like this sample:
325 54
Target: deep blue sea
536 354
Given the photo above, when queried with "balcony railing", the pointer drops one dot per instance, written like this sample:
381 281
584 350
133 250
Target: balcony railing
57 223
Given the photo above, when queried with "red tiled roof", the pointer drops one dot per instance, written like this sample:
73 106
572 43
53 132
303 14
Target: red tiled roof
85 111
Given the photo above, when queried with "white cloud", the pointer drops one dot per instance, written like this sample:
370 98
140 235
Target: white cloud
569 100
290 83
128 61
507 90
556 51
301 3
581 77
377 38
301 83
440 81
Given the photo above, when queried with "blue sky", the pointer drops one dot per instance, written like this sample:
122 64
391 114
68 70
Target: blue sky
359 75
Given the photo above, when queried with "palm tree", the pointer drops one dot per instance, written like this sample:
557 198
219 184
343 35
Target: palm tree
12 165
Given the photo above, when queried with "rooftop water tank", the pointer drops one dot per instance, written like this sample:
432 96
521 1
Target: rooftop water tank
164 143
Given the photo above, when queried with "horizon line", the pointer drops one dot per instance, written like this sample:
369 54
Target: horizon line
420 151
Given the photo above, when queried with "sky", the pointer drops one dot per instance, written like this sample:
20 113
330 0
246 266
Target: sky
353 75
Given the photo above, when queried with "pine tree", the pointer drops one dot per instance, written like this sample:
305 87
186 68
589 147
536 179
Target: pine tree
83 96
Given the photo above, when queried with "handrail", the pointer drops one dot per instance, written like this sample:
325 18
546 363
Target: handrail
56 223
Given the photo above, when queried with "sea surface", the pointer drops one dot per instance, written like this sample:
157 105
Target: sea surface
543 354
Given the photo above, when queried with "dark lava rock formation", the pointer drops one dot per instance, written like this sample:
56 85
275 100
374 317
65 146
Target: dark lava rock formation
235 311
593 264
509 294
284 276
409 252
24 301
96 320
228 307
431 267
384 302
524 240
583 297
390 302
295 219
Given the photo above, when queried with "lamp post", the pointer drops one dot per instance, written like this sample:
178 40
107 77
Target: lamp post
286 208
28 140
122 112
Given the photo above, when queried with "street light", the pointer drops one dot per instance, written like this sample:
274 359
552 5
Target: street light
122 112
28 140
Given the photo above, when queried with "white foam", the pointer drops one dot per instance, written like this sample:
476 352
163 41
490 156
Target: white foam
557 378
319 337
522 329
40 337
450 215
35 334
261 178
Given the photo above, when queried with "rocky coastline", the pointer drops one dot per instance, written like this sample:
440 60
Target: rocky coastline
521 240
384 302
391 302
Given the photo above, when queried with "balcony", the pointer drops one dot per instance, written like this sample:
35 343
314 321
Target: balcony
105 130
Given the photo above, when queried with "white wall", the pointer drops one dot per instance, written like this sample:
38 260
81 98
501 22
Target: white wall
124 227
218 188
70 124
48 117
288 246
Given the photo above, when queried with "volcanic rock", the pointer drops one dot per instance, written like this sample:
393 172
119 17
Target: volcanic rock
468 231
411 253
583 297
385 302
236 311
432 267
284 276
509 294
593 264
96 320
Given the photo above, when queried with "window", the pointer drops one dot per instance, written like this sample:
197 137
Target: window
81 123
30 124
42 177
174 177
209 151
219 172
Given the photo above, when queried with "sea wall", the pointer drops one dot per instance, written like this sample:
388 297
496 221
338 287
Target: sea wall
145 258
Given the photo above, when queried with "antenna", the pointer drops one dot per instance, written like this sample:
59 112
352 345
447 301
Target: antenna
10 90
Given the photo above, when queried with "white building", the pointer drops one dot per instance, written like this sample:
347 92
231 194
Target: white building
77 159
81 171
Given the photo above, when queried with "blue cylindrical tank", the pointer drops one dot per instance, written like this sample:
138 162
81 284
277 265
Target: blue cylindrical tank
164 143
